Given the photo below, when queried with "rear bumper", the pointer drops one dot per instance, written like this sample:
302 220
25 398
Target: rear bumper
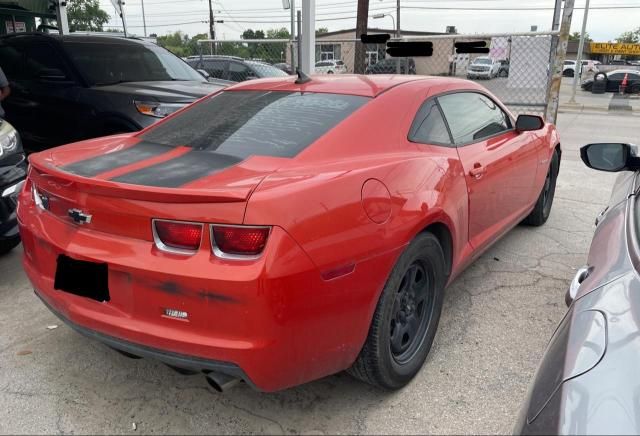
172 359
274 318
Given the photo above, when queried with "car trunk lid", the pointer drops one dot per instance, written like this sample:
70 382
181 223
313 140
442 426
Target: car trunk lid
123 183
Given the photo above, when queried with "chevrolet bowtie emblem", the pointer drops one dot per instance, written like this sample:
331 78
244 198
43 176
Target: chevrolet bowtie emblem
79 217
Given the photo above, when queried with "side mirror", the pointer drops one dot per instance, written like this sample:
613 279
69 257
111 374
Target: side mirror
52 75
203 73
526 123
610 157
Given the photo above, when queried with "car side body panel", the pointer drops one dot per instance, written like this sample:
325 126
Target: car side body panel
602 398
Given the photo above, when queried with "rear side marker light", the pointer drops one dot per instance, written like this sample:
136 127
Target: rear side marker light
177 236
238 242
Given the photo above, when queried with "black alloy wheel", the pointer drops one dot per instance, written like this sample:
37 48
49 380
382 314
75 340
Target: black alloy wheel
406 317
412 310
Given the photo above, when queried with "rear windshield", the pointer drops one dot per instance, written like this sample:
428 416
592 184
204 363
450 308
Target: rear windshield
267 123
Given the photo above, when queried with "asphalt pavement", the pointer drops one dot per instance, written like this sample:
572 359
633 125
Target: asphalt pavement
497 319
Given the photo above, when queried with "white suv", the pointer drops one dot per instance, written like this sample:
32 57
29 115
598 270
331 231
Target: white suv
483 67
330 67
569 67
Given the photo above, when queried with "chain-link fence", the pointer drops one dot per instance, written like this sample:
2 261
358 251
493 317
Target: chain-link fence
516 67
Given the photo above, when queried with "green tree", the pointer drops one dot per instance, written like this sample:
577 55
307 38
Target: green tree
177 43
575 36
86 15
250 34
321 30
193 48
630 37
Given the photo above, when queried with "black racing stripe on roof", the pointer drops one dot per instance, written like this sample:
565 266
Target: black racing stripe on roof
176 172
110 161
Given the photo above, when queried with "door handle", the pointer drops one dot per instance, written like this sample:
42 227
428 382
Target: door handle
477 171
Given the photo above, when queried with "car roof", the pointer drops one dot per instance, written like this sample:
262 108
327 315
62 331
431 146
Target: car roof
624 71
352 84
84 37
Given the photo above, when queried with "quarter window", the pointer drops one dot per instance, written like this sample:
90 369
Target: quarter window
429 127
472 116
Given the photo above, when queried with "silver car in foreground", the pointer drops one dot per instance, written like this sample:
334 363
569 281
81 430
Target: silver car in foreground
588 381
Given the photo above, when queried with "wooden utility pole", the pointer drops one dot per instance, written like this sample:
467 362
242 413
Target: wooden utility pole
361 28
212 31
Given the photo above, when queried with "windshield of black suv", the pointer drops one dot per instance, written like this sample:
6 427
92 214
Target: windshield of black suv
266 70
109 62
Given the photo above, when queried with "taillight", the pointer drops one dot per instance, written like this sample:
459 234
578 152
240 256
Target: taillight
177 236
239 242
41 200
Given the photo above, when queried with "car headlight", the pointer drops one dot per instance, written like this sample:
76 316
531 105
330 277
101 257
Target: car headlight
8 138
158 109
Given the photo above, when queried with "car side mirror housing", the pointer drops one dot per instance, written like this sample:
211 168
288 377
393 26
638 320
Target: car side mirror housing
203 73
611 157
526 123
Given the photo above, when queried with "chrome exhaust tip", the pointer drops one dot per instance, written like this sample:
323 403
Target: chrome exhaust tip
221 382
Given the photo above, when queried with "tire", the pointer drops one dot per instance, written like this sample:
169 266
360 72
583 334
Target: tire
542 209
406 317
503 73
6 245
329 72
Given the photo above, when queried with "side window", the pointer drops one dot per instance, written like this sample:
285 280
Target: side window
473 116
239 72
428 126
42 57
617 76
12 62
215 68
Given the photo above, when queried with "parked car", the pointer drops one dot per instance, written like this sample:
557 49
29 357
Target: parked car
390 66
483 67
74 87
614 80
330 67
276 273
503 69
587 382
13 166
233 68
569 67
618 62
285 67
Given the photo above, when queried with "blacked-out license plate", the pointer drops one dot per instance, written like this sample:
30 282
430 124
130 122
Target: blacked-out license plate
86 279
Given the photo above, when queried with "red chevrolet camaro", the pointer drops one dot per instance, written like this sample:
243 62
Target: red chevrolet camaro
283 230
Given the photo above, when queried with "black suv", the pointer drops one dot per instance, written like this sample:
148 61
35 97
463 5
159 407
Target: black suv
13 170
232 68
78 86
